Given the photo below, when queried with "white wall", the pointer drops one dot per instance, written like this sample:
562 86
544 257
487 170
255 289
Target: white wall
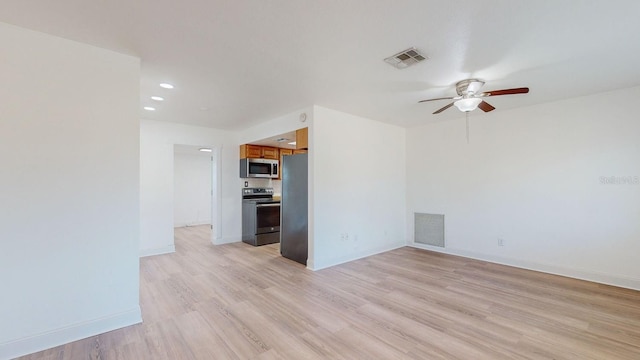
358 187
280 125
532 176
69 139
157 140
192 189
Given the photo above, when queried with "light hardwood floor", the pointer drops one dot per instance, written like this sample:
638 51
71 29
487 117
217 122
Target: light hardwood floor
241 302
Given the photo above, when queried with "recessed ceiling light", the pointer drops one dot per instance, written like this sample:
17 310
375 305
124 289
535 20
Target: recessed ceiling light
166 86
292 143
149 108
157 98
205 150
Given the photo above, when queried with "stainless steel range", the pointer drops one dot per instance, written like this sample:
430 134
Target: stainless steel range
260 216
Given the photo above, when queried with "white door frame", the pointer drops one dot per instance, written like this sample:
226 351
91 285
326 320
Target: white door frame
216 195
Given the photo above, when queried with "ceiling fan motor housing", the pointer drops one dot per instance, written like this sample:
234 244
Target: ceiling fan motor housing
467 86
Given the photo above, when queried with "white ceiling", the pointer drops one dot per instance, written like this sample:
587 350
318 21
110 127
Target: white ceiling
238 62
281 140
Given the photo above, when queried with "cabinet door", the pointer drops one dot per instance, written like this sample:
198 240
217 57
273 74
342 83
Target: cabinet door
299 151
270 153
250 151
302 138
284 152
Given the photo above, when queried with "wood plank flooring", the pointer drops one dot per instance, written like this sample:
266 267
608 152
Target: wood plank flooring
241 302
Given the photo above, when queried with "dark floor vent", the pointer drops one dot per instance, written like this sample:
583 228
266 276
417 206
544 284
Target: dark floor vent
429 229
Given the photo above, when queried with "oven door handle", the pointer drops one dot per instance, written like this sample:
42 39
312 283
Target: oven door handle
267 205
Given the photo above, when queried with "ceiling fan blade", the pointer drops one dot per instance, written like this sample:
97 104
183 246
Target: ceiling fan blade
485 106
523 90
443 98
442 109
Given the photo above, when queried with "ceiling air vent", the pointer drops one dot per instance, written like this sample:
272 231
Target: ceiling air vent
405 58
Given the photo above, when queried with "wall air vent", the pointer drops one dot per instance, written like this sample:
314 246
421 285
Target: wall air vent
429 229
405 58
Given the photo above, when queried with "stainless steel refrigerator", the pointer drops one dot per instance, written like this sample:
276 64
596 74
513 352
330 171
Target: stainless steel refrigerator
293 208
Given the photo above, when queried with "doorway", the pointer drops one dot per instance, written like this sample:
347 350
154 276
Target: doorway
195 191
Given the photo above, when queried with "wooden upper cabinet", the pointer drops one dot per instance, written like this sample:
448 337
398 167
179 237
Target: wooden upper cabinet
302 138
250 151
284 152
258 152
270 153
299 151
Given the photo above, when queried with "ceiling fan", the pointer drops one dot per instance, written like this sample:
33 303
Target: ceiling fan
469 98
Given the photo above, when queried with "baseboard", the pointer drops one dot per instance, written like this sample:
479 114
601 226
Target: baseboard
311 265
228 240
57 337
197 223
158 251
607 279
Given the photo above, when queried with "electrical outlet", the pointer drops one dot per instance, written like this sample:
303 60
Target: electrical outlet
500 242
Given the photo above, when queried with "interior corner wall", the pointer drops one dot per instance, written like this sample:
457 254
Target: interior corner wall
358 187
69 225
156 182
557 182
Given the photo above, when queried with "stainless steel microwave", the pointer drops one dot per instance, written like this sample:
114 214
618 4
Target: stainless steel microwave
259 168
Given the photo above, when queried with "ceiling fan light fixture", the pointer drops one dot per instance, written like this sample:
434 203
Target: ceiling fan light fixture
467 104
